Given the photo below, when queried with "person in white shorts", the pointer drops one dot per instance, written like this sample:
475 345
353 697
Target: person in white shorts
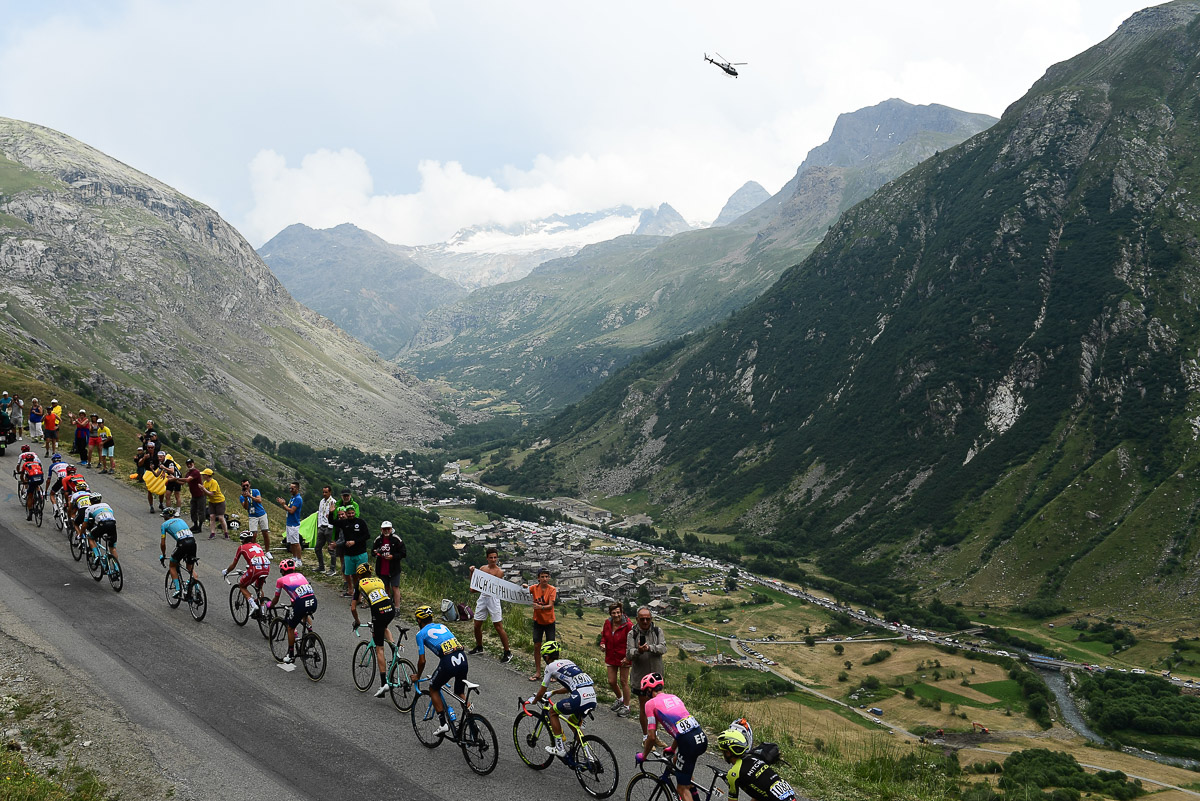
489 605
256 514
295 507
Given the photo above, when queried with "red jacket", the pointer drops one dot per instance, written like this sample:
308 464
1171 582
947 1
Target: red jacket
613 642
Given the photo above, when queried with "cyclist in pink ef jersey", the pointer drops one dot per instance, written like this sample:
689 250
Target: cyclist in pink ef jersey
304 602
690 740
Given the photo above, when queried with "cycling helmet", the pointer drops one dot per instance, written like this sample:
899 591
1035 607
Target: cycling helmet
97 497
551 650
24 449
168 513
287 566
650 682
70 470
247 536
56 458
424 614
81 486
362 570
733 741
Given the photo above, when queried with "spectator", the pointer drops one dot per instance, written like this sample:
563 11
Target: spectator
347 502
295 509
326 515
174 482
489 604
544 596
152 448
613 638
389 550
108 464
82 429
36 413
50 428
199 505
18 415
339 545
353 532
6 404
644 648
147 464
93 444
145 435
158 468
251 501
216 504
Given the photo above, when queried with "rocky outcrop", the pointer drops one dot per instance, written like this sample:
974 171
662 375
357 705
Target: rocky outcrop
748 197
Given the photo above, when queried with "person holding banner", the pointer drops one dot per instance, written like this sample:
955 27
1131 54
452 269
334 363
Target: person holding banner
489 604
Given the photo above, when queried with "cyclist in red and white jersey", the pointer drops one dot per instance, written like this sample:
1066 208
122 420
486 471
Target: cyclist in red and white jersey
258 567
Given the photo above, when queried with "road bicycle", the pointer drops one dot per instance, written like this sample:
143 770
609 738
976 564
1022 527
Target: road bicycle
101 563
400 671
593 761
310 648
77 539
646 786
239 607
469 729
39 506
60 519
197 598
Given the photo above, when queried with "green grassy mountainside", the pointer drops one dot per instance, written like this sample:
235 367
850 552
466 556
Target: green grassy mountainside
983 383
349 275
546 340
122 288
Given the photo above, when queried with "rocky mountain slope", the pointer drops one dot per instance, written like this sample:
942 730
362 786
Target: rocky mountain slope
546 340
984 383
663 221
122 287
749 196
358 280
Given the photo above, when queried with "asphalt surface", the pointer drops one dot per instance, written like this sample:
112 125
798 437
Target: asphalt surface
224 718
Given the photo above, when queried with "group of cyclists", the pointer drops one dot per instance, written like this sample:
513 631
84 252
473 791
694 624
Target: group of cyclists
748 776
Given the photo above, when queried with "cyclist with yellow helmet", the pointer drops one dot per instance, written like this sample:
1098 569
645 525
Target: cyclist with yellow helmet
748 773
577 685
375 593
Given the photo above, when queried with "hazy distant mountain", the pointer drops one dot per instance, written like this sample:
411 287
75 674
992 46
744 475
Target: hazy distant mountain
547 339
746 199
359 281
664 221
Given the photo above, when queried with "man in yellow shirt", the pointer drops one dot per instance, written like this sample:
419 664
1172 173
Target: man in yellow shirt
216 503
108 464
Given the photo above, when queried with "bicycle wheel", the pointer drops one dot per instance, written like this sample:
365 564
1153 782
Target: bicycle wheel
647 787
116 576
312 653
364 666
477 739
95 563
170 587
425 722
595 766
78 545
59 522
531 735
38 508
22 491
239 607
197 600
403 688
265 619
278 639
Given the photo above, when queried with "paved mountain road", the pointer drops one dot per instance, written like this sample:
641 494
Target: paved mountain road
224 720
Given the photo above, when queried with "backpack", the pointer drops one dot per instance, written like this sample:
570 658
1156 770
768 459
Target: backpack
767 752
465 612
449 610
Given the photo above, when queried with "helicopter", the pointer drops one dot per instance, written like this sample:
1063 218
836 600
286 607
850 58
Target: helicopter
725 63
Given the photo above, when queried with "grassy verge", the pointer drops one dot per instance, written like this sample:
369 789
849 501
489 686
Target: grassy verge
19 783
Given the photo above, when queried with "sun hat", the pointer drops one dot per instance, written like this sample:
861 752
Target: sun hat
206 471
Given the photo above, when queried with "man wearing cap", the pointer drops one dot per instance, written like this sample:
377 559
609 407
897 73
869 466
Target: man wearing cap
251 501
216 504
339 545
195 482
353 531
295 507
107 463
50 426
326 515
389 549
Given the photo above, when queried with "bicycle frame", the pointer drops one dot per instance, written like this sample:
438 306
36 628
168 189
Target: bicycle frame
667 776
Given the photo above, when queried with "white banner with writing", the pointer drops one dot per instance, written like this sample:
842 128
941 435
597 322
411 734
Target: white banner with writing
506 591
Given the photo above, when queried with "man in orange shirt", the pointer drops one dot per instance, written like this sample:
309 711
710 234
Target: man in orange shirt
544 596
50 430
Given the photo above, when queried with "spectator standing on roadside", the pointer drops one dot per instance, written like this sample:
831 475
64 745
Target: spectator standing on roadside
251 501
93 446
544 596
195 482
295 509
216 503
489 605
50 429
339 545
6 404
326 515
353 531
36 413
389 549
644 648
82 430
18 414
108 464
145 435
174 482
613 641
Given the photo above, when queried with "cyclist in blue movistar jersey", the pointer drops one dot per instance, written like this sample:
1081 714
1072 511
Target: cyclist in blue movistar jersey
185 545
579 686
452 661
100 520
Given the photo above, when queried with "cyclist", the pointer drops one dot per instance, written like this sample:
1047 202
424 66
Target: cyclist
304 601
578 685
77 505
749 773
376 595
185 546
452 661
58 471
690 739
100 521
73 481
258 567
31 474
25 457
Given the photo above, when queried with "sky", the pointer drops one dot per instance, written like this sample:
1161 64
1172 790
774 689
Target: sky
416 118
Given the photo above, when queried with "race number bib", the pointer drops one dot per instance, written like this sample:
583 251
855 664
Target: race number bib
376 595
782 790
450 646
304 589
687 724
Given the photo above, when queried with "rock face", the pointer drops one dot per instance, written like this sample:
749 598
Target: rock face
750 196
359 281
985 382
664 221
166 310
546 340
